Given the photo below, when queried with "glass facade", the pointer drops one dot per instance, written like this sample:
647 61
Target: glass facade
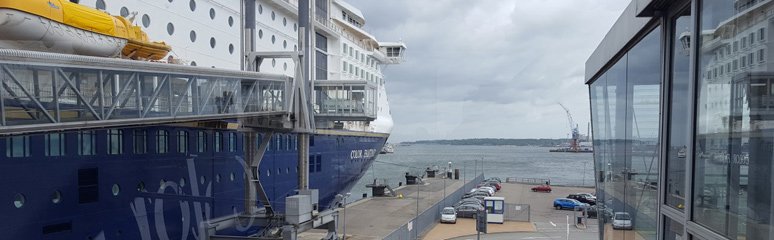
625 108
696 78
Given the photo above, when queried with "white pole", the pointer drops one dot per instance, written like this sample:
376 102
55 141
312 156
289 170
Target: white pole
568 227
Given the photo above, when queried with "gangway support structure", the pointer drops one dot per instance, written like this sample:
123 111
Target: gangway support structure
49 92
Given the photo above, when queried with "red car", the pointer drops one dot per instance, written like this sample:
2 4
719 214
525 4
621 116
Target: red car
542 188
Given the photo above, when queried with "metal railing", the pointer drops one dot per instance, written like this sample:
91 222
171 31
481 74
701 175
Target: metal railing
420 224
47 91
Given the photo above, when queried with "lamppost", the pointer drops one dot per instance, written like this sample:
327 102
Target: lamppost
416 235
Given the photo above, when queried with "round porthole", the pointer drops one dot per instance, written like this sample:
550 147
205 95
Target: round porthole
273 62
170 29
212 13
295 47
56 197
260 9
273 39
268 173
192 4
116 189
124 12
217 178
287 170
101 5
232 177
182 182
260 34
170 0
146 21
141 186
231 48
279 170
285 67
295 27
230 21
202 179
212 42
284 44
162 184
193 36
19 200
273 16
193 63
284 21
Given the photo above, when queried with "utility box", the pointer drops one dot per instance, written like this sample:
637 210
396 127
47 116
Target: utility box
314 197
495 209
298 209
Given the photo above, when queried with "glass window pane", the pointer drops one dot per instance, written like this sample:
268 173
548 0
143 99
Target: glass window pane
673 230
679 112
734 144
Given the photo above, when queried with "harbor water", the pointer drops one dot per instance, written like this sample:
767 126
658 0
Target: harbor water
574 169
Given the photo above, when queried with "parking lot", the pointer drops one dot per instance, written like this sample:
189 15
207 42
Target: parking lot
547 222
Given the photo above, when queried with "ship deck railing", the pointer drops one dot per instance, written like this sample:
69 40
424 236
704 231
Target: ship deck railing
48 91
345 100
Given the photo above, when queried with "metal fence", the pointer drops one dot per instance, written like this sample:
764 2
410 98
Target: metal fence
528 180
517 212
427 219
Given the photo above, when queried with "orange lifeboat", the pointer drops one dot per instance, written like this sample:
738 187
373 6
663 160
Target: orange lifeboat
64 27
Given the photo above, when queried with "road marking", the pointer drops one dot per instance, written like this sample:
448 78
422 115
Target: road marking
552 223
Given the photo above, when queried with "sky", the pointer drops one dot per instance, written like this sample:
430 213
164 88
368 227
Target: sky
489 68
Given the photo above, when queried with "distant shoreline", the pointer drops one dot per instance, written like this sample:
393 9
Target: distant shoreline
526 142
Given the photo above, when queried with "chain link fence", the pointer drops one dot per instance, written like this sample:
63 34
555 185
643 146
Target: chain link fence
428 218
517 212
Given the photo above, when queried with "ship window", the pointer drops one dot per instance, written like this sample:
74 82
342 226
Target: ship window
284 44
88 181
212 42
285 66
162 141
232 145
217 178
124 12
115 189
86 143
274 62
202 179
279 171
295 47
231 48
146 21
287 146
268 173
170 29
141 186
273 39
56 197
344 48
287 170
295 27
218 141
101 5
311 164
284 21
193 63
212 13
140 142
19 200
319 164
344 67
230 21
182 182
260 33
115 141
273 16
260 9
231 176
761 35
182 142
192 4
55 144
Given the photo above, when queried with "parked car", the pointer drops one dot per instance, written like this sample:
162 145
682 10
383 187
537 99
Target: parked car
542 188
584 198
497 179
491 190
468 210
566 203
622 220
448 215
495 185
469 201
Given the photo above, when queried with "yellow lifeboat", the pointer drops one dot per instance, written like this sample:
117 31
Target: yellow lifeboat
64 27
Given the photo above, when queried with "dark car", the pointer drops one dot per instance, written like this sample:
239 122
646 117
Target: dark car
542 188
468 210
591 212
466 201
583 198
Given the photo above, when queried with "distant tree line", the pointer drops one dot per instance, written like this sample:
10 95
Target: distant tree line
541 142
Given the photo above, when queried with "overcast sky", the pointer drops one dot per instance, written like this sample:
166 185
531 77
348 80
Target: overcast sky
489 68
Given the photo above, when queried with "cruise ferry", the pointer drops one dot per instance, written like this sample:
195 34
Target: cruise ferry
125 180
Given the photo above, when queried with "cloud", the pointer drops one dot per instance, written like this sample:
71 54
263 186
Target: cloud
489 68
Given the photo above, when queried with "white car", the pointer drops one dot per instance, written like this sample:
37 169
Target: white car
622 220
490 189
448 215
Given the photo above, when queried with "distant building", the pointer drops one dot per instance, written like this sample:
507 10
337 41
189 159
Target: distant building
683 120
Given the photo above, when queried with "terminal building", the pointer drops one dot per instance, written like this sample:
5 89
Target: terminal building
682 107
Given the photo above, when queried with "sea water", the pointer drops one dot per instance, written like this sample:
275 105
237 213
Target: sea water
575 169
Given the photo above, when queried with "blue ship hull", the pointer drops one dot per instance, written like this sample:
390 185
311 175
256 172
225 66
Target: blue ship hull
104 184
